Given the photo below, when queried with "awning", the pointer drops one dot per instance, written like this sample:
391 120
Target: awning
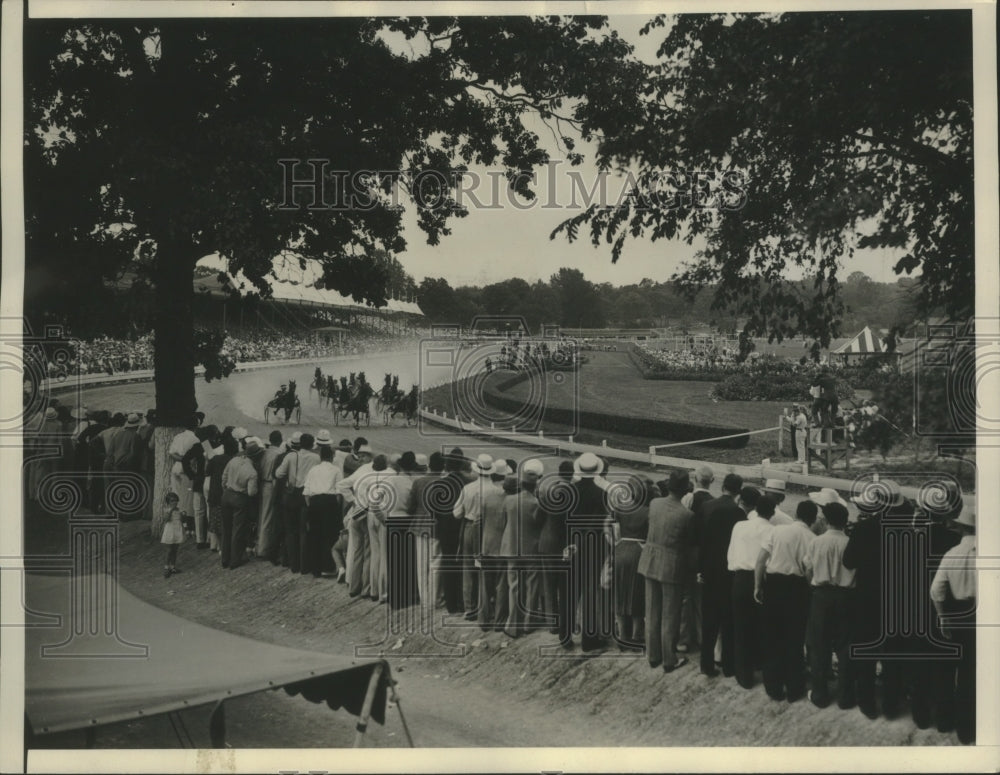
155 662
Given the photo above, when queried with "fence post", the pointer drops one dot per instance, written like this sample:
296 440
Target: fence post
781 434
652 455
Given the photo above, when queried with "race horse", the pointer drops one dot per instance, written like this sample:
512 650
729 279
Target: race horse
355 399
319 384
406 405
389 394
284 401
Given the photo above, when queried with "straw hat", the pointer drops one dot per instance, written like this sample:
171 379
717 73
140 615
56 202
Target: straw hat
132 421
51 413
323 438
240 433
421 461
826 496
533 467
294 441
483 465
587 466
775 485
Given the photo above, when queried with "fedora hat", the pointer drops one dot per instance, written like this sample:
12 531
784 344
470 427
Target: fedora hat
295 440
421 461
345 445
826 496
323 438
253 446
967 517
587 466
132 421
51 413
775 485
483 465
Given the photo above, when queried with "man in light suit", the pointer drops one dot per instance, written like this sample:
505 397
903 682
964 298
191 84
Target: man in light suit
665 561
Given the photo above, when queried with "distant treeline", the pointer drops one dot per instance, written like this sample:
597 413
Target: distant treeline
572 301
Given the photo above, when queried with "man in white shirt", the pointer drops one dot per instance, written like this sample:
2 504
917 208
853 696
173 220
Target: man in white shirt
324 515
801 428
358 549
744 548
468 509
953 593
783 589
294 469
828 629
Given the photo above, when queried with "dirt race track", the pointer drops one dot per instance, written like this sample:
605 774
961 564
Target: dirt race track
500 693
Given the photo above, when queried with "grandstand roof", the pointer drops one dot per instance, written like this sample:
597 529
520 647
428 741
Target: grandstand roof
290 282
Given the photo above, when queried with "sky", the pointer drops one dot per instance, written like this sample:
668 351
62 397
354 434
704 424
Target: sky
495 244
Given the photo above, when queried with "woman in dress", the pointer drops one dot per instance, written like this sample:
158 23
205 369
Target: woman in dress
631 526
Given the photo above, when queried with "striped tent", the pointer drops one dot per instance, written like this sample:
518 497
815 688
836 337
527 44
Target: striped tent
865 343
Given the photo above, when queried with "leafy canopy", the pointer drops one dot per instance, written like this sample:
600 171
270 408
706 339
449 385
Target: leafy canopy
844 131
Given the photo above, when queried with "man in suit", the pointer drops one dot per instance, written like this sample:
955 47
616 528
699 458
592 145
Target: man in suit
522 527
586 526
664 562
691 624
932 678
267 536
552 546
422 523
864 555
493 593
720 516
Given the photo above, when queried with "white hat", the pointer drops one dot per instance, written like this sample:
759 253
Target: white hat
51 413
421 460
296 438
80 413
533 467
240 433
483 465
132 421
967 517
366 449
775 485
587 466
323 438
826 496
500 468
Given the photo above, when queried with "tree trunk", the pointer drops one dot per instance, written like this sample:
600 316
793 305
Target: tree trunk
173 360
162 436
173 347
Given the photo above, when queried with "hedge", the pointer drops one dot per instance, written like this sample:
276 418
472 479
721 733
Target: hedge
777 385
663 430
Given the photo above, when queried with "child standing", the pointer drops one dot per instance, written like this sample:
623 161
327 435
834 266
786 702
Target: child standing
173 532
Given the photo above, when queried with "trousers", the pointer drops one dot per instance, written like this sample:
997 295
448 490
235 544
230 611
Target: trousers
783 620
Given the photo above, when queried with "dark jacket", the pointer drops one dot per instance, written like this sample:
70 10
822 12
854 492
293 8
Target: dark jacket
720 515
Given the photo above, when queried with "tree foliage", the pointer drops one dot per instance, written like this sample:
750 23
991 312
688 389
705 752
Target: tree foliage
846 131
169 134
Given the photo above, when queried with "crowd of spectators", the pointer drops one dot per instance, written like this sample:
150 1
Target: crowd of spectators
599 559
107 355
